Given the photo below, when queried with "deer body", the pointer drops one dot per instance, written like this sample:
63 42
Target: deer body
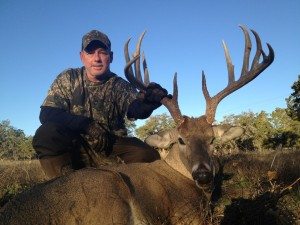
163 192
149 193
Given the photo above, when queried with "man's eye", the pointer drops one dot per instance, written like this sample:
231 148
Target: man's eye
89 52
104 53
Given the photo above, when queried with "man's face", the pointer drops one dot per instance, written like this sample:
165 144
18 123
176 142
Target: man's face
96 61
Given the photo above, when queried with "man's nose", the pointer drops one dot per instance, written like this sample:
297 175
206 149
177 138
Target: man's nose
97 57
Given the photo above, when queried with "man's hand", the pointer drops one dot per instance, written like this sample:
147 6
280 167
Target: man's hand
147 102
155 93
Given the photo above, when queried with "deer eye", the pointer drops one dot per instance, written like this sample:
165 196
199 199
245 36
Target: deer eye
181 141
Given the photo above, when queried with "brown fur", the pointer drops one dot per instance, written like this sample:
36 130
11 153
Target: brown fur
127 194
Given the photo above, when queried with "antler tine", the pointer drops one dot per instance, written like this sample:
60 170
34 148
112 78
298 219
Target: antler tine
267 59
204 89
248 47
136 80
127 58
172 103
230 66
146 71
175 88
130 76
137 63
246 74
128 70
258 50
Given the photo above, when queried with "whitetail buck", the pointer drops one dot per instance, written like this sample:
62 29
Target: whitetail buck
163 192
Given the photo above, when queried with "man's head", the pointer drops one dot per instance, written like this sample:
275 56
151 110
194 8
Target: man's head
96 54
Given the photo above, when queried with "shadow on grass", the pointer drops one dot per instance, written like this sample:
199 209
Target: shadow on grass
257 202
264 209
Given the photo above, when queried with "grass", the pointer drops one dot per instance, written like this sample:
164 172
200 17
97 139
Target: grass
251 188
259 189
17 176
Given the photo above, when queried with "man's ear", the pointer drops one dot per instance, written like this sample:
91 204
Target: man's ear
81 55
111 54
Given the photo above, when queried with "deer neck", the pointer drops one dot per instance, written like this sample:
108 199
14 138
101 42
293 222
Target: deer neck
174 160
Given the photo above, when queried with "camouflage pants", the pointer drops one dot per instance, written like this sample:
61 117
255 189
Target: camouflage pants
52 139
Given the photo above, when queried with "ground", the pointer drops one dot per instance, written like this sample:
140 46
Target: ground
250 188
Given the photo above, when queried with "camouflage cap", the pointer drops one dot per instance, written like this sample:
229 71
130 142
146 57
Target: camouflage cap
95 35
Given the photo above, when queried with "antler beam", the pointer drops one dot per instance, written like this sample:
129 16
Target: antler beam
246 74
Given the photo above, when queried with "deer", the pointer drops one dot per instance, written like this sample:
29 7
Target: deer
169 191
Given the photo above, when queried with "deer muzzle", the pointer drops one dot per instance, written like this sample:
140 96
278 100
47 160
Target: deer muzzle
202 174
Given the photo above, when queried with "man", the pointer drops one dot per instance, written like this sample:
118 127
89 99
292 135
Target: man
83 114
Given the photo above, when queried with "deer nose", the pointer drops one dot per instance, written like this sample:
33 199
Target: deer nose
202 176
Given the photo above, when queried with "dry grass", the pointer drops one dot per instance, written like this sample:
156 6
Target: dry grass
258 189
250 188
16 176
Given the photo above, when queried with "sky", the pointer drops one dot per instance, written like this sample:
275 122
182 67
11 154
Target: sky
40 39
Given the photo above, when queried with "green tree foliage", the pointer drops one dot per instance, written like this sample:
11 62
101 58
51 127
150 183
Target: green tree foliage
293 101
14 144
257 127
266 131
130 125
263 131
286 130
155 124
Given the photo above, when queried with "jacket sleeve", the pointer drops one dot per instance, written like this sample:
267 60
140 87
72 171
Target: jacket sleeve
140 109
74 122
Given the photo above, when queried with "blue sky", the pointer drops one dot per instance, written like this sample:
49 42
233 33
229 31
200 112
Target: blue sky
39 39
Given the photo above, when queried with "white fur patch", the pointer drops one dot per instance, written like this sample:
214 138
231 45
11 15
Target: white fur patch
195 167
207 166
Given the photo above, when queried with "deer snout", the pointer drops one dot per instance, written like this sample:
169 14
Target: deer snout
202 174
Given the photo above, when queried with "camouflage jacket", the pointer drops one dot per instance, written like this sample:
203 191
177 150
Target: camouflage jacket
106 101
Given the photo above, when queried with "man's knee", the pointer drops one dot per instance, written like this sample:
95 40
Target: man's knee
52 139
51 129
55 143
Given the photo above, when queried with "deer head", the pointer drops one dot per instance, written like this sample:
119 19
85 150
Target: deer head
195 135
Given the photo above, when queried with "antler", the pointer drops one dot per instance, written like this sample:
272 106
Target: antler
246 74
135 78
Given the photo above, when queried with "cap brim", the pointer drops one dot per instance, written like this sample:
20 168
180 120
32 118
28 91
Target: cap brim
94 44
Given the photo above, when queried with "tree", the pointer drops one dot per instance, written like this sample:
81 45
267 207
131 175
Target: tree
266 131
130 126
281 121
293 101
14 144
155 124
257 128
263 131
286 130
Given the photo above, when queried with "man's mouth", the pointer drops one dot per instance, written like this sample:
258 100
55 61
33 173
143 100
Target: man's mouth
97 67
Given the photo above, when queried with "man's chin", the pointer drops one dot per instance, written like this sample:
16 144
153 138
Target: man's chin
100 75
95 75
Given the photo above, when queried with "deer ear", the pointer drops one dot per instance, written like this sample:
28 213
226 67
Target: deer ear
226 132
162 139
